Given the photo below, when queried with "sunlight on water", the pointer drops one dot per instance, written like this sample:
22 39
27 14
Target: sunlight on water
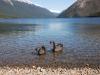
55 26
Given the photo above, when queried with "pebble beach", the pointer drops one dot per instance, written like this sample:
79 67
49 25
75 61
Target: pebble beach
48 71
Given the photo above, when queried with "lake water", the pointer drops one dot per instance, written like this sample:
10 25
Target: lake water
80 36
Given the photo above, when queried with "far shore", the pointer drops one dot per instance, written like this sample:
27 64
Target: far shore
16 27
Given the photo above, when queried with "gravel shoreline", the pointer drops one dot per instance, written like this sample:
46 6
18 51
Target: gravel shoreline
48 71
51 69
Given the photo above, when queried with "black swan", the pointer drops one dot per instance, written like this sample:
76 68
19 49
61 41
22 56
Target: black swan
41 50
56 47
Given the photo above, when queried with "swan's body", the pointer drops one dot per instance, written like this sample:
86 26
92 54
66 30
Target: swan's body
57 47
41 50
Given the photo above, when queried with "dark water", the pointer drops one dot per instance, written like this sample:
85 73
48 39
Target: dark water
19 37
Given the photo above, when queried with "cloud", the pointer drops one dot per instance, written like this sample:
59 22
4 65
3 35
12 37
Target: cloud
8 2
26 1
55 11
11 3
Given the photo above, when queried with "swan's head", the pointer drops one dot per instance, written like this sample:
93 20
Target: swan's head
43 47
52 42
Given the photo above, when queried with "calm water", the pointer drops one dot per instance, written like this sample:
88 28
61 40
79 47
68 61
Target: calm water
19 37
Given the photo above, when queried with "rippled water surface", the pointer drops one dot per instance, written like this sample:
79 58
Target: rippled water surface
19 37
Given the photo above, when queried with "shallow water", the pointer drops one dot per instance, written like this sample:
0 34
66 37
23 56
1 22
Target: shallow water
81 39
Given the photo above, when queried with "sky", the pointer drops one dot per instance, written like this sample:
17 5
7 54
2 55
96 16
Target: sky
54 5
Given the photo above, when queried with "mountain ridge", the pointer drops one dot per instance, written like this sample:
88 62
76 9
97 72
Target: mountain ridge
82 8
20 9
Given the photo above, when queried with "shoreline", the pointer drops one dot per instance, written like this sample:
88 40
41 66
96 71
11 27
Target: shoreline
54 65
37 70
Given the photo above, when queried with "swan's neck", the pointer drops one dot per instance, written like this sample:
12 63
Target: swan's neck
53 45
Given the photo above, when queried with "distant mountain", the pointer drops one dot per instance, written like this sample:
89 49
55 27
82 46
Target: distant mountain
22 9
56 13
82 8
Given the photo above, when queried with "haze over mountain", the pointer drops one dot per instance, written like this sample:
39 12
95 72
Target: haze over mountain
23 9
82 8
